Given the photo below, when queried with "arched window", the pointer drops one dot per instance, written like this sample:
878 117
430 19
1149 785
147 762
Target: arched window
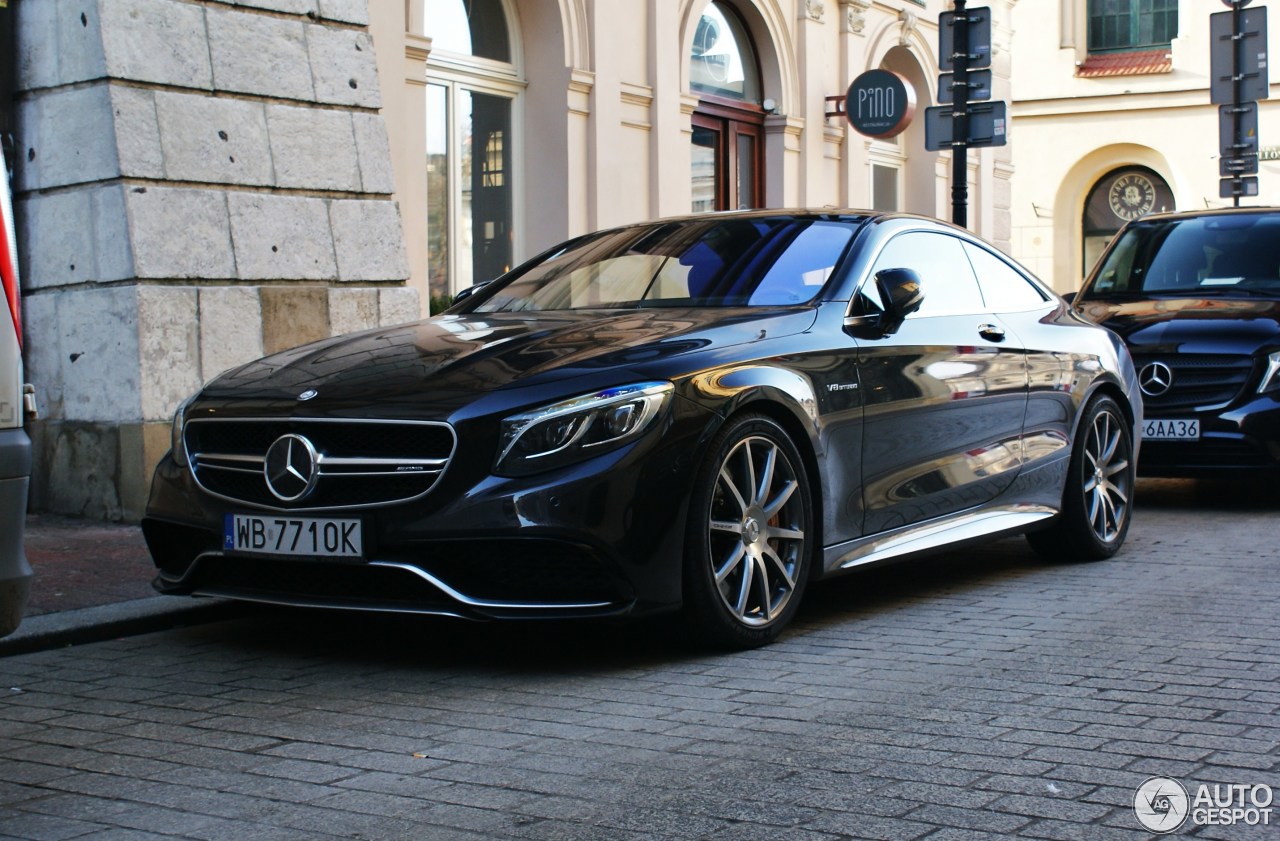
472 85
728 125
1121 196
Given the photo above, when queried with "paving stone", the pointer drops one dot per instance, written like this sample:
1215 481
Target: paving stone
982 694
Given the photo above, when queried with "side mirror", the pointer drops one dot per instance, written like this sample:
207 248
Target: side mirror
902 294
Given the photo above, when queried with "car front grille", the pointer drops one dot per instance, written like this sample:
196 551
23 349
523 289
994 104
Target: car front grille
1198 381
357 462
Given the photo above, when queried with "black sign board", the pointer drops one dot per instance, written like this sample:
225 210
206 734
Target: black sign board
1234 188
880 103
979 23
988 125
1252 72
979 87
1238 152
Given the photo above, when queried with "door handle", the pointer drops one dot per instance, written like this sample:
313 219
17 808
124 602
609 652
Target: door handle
991 332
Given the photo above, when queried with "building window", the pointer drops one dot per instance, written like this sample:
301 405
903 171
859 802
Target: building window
1121 196
884 187
1131 24
728 125
471 92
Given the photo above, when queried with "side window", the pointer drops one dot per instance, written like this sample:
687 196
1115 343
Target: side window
1003 287
949 285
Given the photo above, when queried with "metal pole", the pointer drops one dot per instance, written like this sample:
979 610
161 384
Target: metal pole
1237 43
960 119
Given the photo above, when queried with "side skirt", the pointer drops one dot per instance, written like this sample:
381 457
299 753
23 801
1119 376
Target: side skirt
943 533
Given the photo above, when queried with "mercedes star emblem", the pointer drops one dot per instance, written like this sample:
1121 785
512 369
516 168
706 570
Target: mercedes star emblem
1155 379
291 467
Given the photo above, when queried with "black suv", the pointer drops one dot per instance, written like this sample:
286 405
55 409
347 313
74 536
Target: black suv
1196 297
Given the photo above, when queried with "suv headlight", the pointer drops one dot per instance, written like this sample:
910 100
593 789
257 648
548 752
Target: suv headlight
1271 379
176 444
578 428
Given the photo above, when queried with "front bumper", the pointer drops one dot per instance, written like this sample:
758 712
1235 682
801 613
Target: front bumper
1234 443
600 538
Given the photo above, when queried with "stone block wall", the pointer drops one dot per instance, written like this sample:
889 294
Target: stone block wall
199 182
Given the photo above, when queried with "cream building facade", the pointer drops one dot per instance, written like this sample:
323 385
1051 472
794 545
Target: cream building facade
515 124
1111 118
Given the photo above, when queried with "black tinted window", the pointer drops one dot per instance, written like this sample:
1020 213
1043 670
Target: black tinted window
948 282
1209 254
1003 287
713 262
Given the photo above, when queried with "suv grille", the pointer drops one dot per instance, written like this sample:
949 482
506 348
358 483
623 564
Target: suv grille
356 462
1199 380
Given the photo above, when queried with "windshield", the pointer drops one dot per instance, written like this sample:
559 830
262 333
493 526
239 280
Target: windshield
713 262
1208 255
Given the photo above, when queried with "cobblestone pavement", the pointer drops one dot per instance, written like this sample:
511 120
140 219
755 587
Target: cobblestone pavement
981 693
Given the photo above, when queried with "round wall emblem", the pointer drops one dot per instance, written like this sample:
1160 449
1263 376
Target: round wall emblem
1155 379
1132 195
291 467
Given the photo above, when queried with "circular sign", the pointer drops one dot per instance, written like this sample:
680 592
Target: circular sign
880 103
1231 4
1132 195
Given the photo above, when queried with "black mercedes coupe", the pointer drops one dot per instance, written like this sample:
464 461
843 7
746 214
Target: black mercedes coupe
700 415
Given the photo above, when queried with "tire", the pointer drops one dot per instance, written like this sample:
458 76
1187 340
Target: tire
1097 502
750 536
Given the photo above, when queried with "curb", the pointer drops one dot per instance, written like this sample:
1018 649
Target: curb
93 624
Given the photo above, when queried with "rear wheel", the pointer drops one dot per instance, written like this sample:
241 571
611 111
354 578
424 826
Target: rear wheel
1098 499
749 538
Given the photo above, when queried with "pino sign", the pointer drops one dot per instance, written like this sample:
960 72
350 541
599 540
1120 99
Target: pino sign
880 103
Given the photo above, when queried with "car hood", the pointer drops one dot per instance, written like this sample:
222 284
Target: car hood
451 358
1189 325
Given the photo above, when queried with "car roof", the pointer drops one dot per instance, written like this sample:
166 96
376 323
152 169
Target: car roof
1175 215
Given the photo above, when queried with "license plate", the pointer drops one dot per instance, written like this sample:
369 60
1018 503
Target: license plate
306 536
1171 429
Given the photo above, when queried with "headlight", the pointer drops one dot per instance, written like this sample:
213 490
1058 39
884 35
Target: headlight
176 444
579 428
1271 379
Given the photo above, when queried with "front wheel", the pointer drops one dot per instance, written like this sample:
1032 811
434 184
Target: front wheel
1098 498
750 535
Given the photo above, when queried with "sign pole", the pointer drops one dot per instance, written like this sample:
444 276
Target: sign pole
960 115
1237 42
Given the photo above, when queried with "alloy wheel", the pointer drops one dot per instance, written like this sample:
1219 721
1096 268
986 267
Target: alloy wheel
756 536
1107 477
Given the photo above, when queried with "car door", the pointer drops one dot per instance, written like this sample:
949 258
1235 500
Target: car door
944 394
1022 307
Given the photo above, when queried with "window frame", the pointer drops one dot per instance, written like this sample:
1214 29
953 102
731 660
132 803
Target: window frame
1136 15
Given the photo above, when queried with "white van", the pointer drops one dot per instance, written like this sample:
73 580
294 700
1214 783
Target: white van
17 402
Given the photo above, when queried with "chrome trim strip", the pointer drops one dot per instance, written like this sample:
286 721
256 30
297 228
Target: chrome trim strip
470 602
382 473
382 462
257 599
252 471
258 460
934 534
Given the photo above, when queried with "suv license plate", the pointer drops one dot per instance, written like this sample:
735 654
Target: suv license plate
1171 430
305 536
